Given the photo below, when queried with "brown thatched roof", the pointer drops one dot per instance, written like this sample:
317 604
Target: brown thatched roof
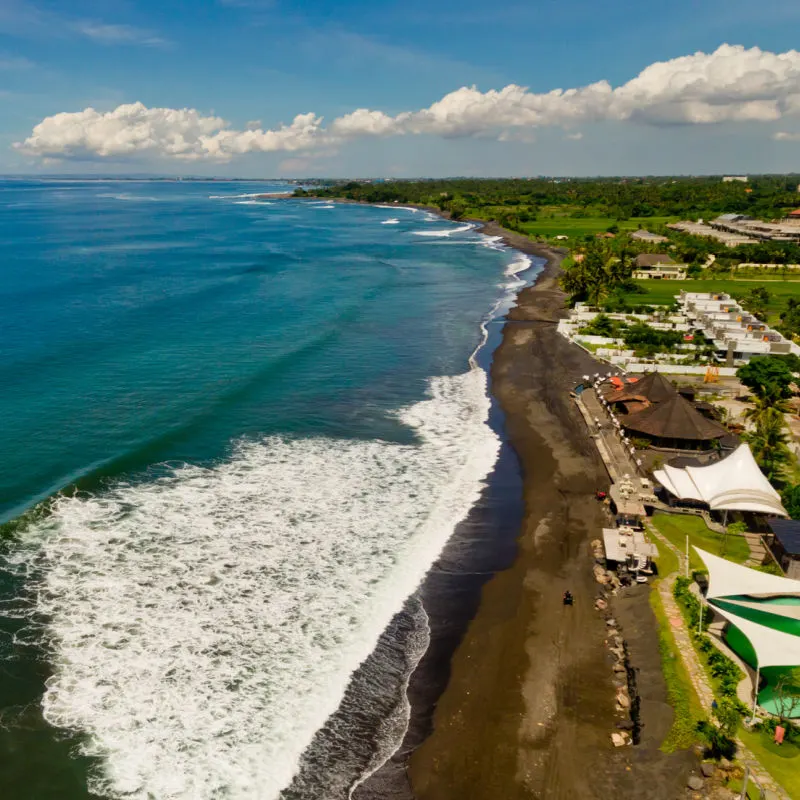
674 419
653 388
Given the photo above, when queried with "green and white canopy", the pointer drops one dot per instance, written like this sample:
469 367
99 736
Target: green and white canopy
764 607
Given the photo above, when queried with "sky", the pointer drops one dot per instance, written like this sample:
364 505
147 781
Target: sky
399 88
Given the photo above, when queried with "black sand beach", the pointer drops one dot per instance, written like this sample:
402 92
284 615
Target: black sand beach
516 689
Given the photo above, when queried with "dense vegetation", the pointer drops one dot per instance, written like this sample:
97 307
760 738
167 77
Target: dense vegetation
522 200
770 378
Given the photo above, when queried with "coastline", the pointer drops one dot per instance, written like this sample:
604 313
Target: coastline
520 703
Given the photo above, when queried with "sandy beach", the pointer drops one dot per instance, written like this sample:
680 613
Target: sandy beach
519 702
529 708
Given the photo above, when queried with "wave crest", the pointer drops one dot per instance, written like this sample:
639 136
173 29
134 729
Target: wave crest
206 624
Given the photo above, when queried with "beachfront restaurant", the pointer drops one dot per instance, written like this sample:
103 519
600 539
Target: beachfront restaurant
627 549
733 484
761 625
674 424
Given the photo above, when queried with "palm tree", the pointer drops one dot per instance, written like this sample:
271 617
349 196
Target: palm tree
769 445
764 404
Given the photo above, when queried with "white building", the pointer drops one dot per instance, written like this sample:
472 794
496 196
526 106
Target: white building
737 334
656 266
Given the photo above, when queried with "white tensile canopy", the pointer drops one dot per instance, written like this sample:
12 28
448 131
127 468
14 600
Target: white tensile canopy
726 579
773 648
734 484
733 588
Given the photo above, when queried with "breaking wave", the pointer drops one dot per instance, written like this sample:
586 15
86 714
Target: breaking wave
205 624
242 196
130 198
445 232
390 222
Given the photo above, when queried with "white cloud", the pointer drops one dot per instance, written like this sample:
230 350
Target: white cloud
178 133
26 19
785 136
129 129
732 84
117 34
574 137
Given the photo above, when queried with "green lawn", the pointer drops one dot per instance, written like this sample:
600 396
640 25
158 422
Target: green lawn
782 762
675 528
681 693
667 562
576 227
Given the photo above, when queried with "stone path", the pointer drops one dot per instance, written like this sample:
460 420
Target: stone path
697 673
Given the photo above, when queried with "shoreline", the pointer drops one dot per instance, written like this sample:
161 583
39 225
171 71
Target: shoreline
525 705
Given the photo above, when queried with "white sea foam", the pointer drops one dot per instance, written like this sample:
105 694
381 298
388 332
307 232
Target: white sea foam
204 625
445 232
253 203
130 198
242 196
391 222
323 205
397 208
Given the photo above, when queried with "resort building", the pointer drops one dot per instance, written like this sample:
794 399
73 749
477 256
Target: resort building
700 228
741 225
646 236
656 266
651 409
734 179
738 336
760 616
733 484
675 425
785 545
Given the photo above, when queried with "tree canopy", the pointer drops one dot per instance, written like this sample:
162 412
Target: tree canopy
767 376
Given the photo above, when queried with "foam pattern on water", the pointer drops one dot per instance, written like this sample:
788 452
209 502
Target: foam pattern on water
204 625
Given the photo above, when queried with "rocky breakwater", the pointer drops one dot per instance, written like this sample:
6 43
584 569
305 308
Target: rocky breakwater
624 675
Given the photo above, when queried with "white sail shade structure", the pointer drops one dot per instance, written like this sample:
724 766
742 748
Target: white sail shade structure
726 579
772 648
734 484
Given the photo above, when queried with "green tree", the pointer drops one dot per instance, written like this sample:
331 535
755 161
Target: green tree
457 209
766 376
764 405
597 274
791 500
769 444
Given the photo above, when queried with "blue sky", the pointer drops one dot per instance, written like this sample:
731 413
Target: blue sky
265 61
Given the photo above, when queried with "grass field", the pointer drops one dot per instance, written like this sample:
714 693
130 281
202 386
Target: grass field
675 527
782 762
575 227
681 693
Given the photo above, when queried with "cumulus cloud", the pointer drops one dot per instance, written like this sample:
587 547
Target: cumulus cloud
732 84
785 136
179 133
574 137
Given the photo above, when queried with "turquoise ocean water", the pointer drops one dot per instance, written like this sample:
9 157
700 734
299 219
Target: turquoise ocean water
263 422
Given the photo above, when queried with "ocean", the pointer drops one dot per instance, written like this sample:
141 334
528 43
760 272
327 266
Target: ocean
237 433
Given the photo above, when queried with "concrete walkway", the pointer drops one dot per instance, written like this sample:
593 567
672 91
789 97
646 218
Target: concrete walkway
696 671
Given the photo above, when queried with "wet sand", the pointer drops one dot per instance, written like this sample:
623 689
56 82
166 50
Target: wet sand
529 706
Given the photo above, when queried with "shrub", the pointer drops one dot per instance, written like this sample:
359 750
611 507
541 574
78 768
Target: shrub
720 745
